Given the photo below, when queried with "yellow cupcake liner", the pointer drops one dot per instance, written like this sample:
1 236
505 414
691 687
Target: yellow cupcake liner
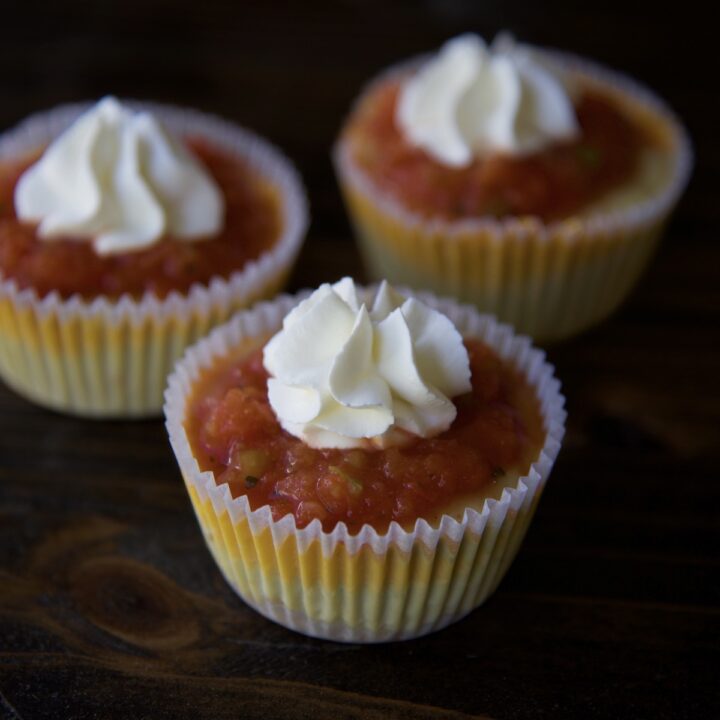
111 358
368 587
547 280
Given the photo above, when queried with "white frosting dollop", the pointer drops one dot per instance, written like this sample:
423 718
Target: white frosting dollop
345 376
472 100
118 179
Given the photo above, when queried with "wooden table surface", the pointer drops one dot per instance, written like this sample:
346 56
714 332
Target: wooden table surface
110 605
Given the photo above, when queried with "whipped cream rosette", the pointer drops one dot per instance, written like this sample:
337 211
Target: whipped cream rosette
472 100
340 391
120 177
369 378
493 140
117 179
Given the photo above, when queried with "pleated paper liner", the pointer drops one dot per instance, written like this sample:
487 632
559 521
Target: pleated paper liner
111 358
367 587
547 280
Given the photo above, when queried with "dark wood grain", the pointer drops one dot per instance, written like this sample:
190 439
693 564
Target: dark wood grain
111 607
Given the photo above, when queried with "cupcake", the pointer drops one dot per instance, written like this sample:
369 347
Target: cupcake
364 464
127 231
529 182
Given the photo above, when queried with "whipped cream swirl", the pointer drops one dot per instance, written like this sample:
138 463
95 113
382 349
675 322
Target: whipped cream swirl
472 100
119 180
343 375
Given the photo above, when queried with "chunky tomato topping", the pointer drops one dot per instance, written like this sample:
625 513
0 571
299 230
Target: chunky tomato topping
253 224
234 433
549 184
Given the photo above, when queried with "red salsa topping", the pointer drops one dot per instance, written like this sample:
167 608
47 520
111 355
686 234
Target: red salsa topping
550 184
234 433
71 266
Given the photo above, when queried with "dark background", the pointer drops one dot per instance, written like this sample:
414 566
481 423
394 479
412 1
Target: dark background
110 606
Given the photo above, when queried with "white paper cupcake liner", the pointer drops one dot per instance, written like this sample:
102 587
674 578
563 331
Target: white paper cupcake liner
370 586
110 358
549 280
